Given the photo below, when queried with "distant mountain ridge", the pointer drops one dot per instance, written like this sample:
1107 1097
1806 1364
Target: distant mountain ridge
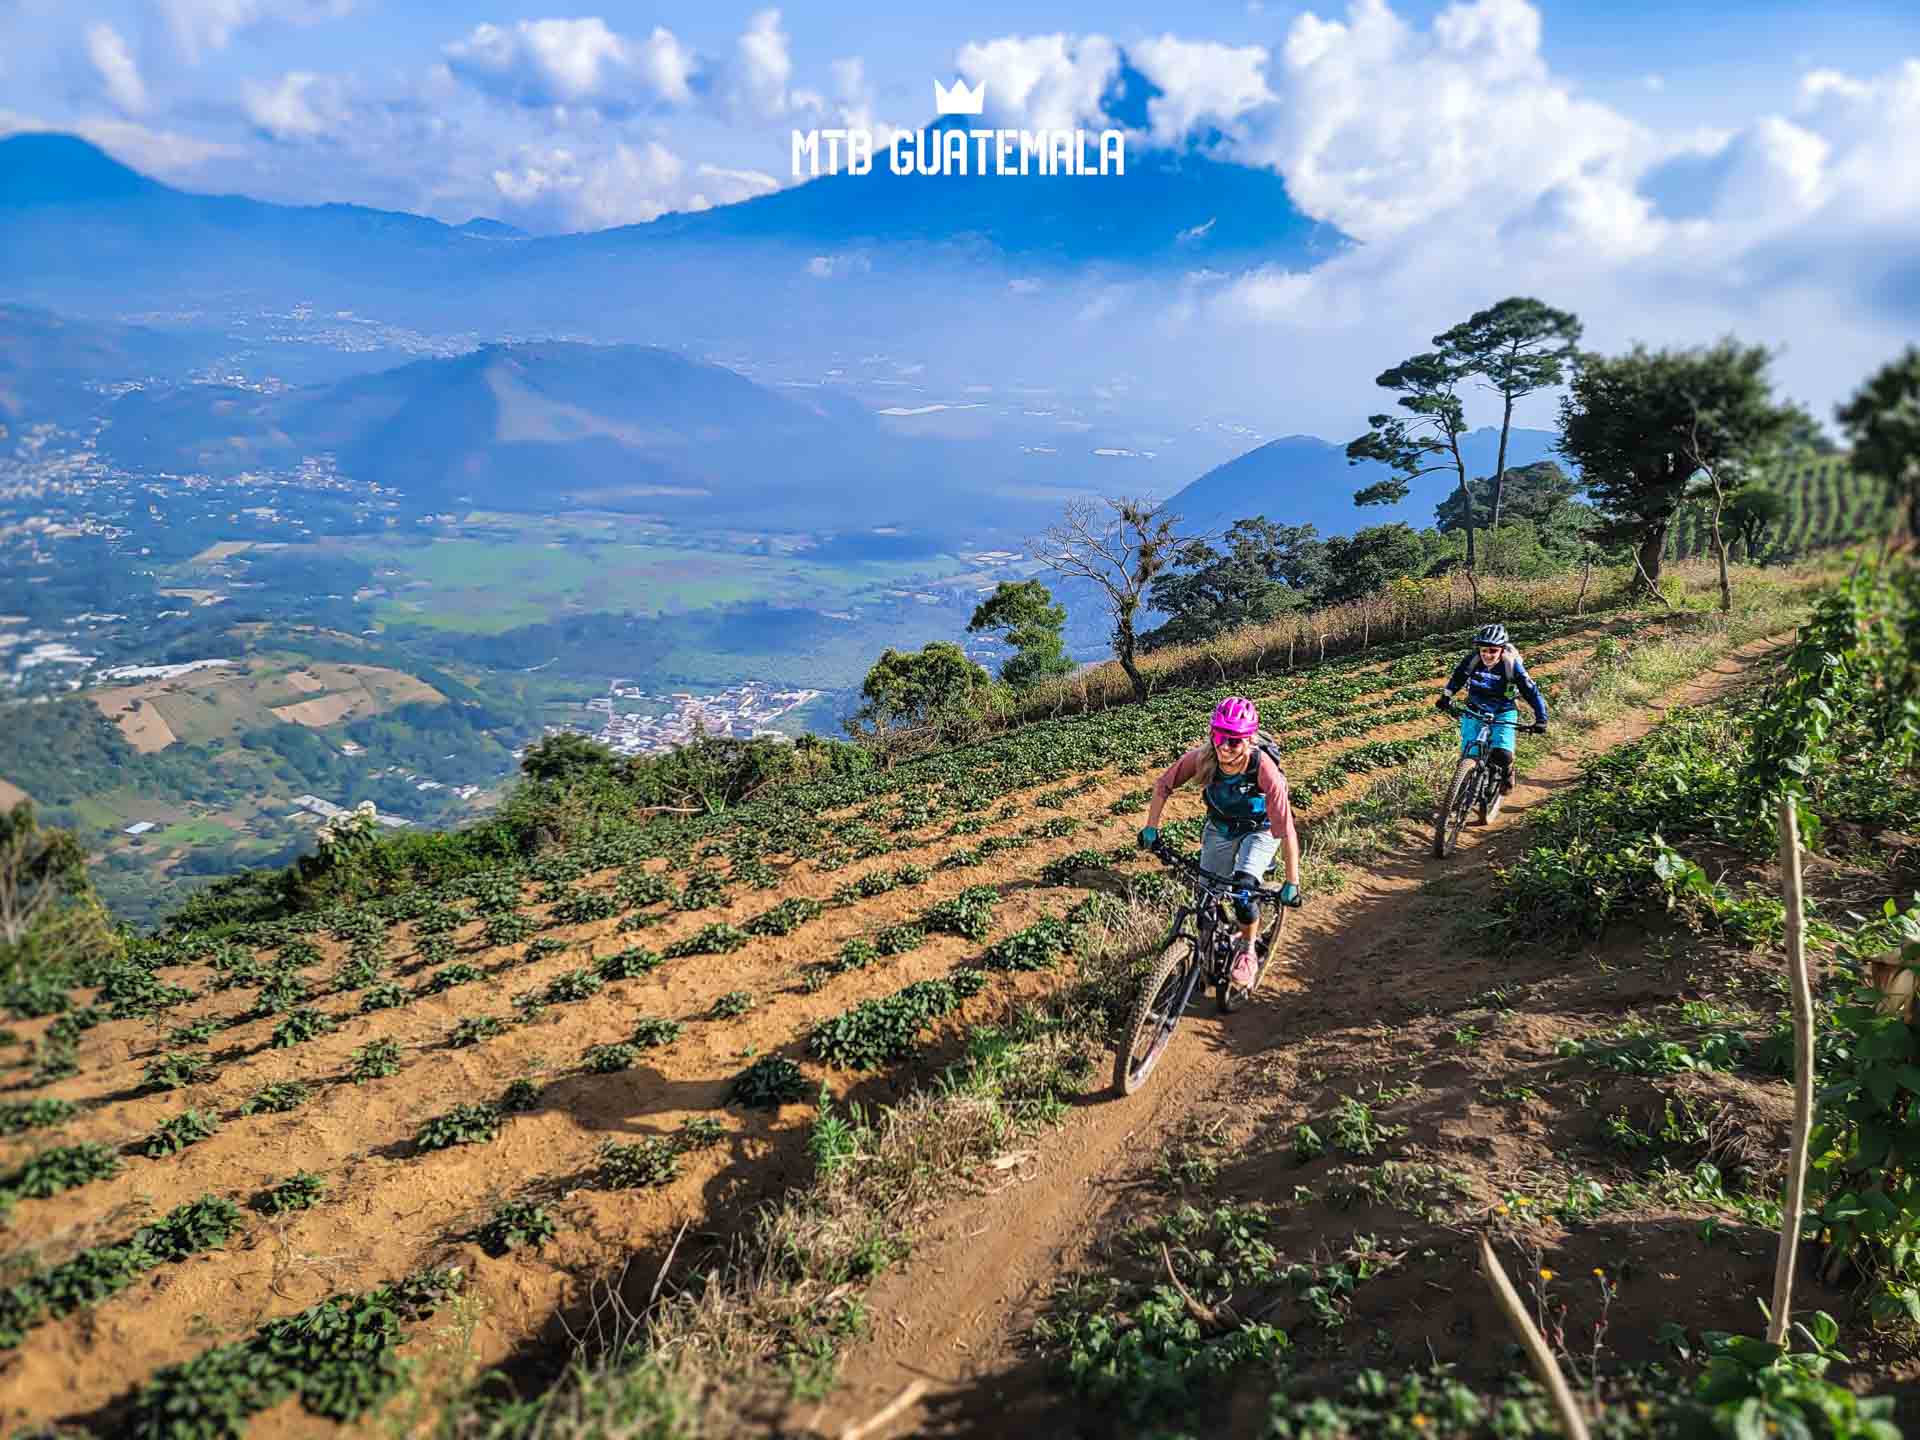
1302 479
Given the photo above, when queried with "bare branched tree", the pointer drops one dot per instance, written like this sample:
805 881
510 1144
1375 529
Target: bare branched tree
1120 544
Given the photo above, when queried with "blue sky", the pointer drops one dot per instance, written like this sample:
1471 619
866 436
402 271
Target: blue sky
1672 172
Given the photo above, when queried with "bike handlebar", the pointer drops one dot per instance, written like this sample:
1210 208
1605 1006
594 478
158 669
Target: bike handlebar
1214 884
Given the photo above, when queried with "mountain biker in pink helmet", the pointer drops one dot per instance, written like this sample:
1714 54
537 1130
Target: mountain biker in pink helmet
1248 817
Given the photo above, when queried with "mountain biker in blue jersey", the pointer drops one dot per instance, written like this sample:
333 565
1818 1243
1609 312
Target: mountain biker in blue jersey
1490 672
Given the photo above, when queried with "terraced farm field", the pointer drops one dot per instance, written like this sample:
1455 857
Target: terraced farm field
232 1146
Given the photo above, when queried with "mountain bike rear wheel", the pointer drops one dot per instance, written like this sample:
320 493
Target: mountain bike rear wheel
1456 807
1156 1014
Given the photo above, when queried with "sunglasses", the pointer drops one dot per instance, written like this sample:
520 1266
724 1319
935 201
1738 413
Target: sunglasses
1230 742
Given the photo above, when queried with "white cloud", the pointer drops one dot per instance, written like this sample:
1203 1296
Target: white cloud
1042 82
301 106
764 69
119 73
581 62
1203 83
567 188
1381 126
198 26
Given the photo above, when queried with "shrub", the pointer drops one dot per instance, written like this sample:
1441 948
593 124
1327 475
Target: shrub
189 1127
388 995
277 1098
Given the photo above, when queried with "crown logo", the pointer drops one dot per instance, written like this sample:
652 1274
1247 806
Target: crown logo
959 100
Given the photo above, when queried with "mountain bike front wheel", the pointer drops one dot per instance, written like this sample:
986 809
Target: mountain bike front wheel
1456 807
1163 1000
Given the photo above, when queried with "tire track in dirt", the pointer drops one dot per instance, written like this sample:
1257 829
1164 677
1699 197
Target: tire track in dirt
954 1313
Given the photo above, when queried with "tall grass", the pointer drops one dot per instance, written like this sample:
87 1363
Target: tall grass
1404 610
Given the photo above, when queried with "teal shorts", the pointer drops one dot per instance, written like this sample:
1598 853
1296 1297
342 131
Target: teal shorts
1505 728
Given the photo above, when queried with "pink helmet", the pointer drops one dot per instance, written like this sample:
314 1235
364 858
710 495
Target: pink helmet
1235 716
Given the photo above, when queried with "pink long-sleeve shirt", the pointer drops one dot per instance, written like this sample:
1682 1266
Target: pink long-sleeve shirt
1272 783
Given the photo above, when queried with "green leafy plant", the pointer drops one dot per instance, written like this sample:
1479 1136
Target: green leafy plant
515 1224
784 918
189 1127
449 976
651 1031
388 995
19 1117
607 1059
463 1125
277 1098
64 1167
653 1161
374 1060
628 964
301 1026
771 1081
473 1029
573 985
876 1032
199 1032
520 1096
176 1071
732 1005
301 1190
718 938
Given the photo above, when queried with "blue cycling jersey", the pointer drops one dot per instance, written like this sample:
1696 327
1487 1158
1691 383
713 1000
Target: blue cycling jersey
1491 686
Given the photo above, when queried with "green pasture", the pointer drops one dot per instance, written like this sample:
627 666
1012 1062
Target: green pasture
486 586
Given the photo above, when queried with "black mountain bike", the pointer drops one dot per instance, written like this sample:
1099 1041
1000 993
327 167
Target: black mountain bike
1475 784
1197 952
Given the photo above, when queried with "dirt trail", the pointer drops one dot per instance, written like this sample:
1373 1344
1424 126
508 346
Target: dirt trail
955 1313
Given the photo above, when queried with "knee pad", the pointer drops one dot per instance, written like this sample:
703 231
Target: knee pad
1501 759
1244 910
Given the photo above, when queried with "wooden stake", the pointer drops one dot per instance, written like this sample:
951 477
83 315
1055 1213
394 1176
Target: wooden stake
901 1403
1794 895
1534 1343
